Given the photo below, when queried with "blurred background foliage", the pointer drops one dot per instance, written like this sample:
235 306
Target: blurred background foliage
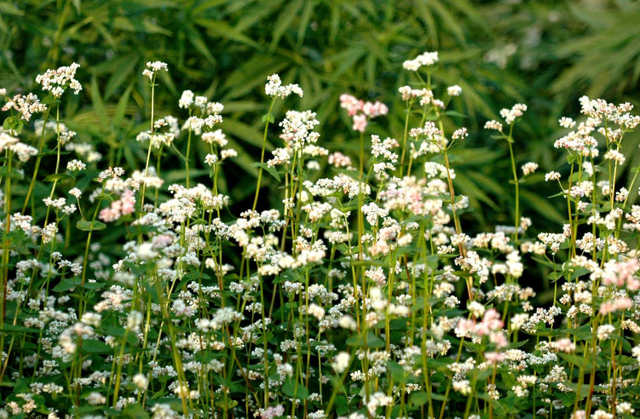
544 53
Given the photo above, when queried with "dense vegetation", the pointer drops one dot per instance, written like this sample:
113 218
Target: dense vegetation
180 222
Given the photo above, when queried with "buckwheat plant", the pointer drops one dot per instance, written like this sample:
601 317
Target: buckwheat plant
359 296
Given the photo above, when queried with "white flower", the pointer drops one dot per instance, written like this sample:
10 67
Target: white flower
57 81
341 362
141 381
153 68
275 88
186 100
552 176
76 165
424 59
529 168
454 90
146 251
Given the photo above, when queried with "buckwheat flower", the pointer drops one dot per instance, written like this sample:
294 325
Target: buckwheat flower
566 122
215 137
228 153
476 309
510 115
75 192
604 332
459 239
3 92
552 176
95 399
348 322
565 345
352 104
454 90
201 102
615 155
153 68
360 123
529 168
462 386
341 362
55 203
625 408
57 81
405 92
7 141
601 414
214 107
619 304
316 311
76 165
211 159
493 125
26 106
460 134
373 110
186 100
141 381
424 59
622 194
275 88
273 412
146 252
92 319
163 411
23 151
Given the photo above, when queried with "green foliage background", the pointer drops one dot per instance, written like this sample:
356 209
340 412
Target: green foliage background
544 53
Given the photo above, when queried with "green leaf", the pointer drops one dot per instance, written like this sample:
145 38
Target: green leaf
11 173
8 123
98 103
272 170
578 361
284 21
93 346
93 285
196 40
373 341
59 177
542 206
135 411
85 225
7 8
455 114
67 284
397 372
292 388
418 398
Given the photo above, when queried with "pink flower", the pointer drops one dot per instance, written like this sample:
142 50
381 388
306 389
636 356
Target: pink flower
619 304
123 206
617 273
351 104
499 338
359 123
375 109
492 320
272 412
494 357
565 345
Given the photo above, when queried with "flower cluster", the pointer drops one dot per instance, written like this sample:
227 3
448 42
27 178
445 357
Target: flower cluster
356 294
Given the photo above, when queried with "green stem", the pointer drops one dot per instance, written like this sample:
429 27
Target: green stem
264 146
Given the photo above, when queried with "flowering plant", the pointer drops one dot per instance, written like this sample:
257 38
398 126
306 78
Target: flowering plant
359 296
